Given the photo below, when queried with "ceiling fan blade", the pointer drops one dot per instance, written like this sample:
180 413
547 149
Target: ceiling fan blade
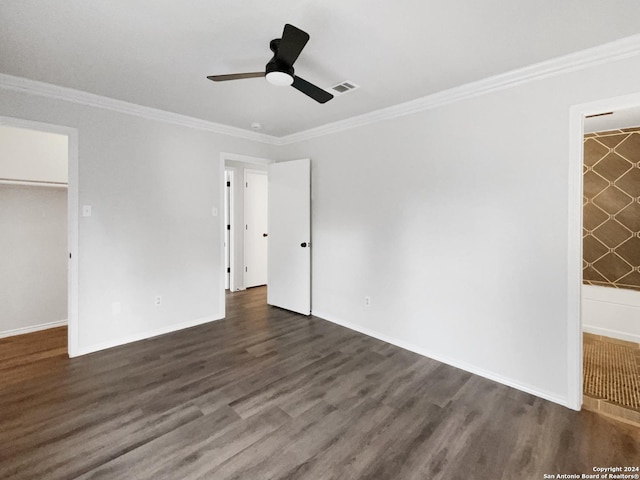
292 42
235 76
309 89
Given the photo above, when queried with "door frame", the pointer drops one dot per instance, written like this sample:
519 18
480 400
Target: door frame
230 172
244 214
224 156
72 217
574 266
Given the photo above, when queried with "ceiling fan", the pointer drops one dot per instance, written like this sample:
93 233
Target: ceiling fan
279 71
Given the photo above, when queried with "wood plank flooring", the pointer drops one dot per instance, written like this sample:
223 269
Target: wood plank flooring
269 394
30 356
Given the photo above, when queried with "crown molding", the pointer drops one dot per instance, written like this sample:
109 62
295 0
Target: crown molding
234 157
605 53
19 84
608 52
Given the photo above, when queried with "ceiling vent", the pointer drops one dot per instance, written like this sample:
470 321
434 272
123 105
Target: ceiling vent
343 87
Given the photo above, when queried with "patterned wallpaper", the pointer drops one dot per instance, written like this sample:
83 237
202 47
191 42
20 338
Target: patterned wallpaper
611 209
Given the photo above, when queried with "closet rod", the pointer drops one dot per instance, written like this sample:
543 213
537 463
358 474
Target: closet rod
8 181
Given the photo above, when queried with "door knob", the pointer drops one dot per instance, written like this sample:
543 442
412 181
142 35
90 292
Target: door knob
303 244
265 234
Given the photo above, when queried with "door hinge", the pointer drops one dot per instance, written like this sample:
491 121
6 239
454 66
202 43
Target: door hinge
69 254
247 184
228 269
228 184
228 227
246 269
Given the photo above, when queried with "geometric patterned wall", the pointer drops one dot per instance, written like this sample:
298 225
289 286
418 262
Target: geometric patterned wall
611 209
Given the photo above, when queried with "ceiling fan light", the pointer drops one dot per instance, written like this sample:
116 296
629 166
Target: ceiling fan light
280 79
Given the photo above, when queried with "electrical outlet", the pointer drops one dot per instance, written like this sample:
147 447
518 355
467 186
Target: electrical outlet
158 301
367 301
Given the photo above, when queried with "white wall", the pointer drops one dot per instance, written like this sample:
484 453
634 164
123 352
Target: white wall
613 312
33 258
454 221
238 199
32 155
152 186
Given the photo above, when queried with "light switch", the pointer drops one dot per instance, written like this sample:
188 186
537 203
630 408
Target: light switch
86 210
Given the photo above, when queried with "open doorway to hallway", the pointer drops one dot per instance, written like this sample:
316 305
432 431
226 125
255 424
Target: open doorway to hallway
245 245
286 186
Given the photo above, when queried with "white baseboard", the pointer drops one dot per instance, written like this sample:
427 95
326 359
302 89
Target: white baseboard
145 335
32 328
605 332
449 361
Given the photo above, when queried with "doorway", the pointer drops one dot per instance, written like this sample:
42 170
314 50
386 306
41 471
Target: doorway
235 167
39 193
611 255
594 212
288 208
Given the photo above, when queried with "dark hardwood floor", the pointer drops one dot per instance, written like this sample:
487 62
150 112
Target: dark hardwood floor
269 394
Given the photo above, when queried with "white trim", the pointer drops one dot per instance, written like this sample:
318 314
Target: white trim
606 332
608 52
20 84
233 171
574 267
604 305
444 359
72 216
229 176
149 334
221 225
574 247
32 328
623 297
73 212
32 183
236 157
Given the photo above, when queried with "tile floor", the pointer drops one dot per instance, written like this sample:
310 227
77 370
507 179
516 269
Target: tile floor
612 377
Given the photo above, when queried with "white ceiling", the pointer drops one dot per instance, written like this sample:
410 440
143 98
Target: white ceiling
157 53
626 118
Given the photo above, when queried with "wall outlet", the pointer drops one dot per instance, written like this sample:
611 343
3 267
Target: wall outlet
158 301
116 308
367 301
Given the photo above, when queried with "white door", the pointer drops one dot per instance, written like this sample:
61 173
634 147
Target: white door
289 284
228 176
255 228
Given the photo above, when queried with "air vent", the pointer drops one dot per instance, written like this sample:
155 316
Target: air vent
343 88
